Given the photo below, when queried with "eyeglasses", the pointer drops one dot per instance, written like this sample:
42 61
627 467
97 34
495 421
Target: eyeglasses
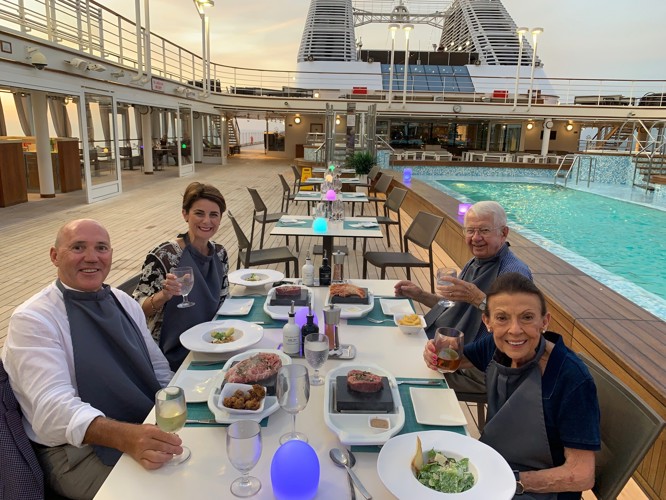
483 231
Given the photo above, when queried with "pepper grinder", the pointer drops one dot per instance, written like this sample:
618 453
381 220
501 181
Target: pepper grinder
332 321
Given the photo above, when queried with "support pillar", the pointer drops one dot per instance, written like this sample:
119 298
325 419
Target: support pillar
43 144
545 140
197 138
147 134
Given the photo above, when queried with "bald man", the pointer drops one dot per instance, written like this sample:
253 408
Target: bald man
85 369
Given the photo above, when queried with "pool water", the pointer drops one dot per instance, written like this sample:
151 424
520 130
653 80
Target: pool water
624 239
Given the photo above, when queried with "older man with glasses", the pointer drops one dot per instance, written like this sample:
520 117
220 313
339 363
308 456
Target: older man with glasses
485 233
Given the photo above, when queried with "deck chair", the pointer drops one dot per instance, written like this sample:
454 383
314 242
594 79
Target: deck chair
263 217
629 427
128 286
20 473
287 196
422 232
381 187
252 258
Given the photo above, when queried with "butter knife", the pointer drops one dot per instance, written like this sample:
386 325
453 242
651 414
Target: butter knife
201 421
419 382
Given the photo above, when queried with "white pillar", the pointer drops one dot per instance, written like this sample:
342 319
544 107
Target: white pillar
43 144
197 139
147 134
545 140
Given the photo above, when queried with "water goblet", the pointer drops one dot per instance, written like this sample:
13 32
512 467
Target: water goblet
185 277
244 450
293 393
445 272
171 414
316 353
449 344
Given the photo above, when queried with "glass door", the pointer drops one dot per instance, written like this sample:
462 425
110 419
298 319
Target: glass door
185 157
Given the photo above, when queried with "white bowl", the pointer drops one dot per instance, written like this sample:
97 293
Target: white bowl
406 328
229 389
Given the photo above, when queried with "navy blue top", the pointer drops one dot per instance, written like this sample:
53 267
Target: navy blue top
570 405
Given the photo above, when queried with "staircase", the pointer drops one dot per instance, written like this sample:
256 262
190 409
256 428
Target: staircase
649 169
612 137
233 133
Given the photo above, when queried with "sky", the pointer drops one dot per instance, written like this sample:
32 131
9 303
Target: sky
581 39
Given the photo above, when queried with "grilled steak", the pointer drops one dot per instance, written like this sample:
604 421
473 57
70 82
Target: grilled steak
346 290
362 381
288 291
254 369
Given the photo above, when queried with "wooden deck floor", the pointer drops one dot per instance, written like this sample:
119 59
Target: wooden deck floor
148 212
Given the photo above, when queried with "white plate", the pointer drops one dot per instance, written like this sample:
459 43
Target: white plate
229 389
436 406
195 383
215 405
355 428
494 478
197 338
235 307
393 306
281 312
239 276
353 310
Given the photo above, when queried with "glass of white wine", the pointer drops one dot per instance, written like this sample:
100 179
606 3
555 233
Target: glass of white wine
185 277
171 414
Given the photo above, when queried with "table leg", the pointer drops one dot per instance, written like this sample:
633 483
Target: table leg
328 247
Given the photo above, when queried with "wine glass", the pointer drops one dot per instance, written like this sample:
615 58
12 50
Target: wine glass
316 353
445 272
449 344
171 414
244 450
293 392
185 277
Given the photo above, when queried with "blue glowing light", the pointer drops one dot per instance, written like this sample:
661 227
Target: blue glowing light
407 175
320 225
295 471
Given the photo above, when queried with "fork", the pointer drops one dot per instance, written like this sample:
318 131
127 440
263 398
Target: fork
378 321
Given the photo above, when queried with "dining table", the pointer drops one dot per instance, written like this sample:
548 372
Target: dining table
208 473
350 227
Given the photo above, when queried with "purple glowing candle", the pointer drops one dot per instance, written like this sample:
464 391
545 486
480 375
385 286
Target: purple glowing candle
407 175
463 208
330 195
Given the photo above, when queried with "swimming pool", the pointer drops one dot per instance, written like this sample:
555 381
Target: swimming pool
621 244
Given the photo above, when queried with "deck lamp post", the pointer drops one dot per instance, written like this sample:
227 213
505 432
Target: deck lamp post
205 43
392 28
407 28
520 32
535 34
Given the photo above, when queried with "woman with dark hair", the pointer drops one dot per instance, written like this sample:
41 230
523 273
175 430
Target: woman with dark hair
543 413
203 206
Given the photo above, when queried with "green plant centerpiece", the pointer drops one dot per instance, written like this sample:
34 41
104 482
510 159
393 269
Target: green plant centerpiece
361 162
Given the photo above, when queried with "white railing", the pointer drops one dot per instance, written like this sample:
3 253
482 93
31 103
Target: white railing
92 28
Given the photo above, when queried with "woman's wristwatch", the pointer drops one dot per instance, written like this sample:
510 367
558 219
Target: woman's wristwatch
520 489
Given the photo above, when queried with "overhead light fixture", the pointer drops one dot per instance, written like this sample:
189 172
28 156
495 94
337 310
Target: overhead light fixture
337 120
569 127
297 120
78 63
316 95
530 126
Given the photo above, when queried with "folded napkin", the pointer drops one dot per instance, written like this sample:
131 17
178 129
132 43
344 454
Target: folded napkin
360 225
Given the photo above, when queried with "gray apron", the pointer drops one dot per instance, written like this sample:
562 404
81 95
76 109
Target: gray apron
205 294
462 315
516 428
114 373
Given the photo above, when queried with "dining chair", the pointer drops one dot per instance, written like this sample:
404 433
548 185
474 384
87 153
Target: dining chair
287 196
371 177
392 204
251 258
629 427
381 187
422 232
263 217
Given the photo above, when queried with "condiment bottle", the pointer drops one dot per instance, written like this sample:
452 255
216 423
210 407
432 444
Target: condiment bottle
291 335
331 321
308 328
324 272
308 271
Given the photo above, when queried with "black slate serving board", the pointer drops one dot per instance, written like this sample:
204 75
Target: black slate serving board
347 400
299 300
353 299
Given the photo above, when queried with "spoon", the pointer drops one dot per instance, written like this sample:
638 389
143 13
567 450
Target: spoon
347 460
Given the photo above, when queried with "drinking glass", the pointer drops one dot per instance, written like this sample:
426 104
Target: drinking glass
293 392
185 277
320 210
445 272
316 353
244 450
171 414
449 344
338 210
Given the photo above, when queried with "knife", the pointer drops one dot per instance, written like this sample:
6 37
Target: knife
419 382
201 421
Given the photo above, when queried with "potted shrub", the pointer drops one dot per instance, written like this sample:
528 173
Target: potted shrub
361 162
